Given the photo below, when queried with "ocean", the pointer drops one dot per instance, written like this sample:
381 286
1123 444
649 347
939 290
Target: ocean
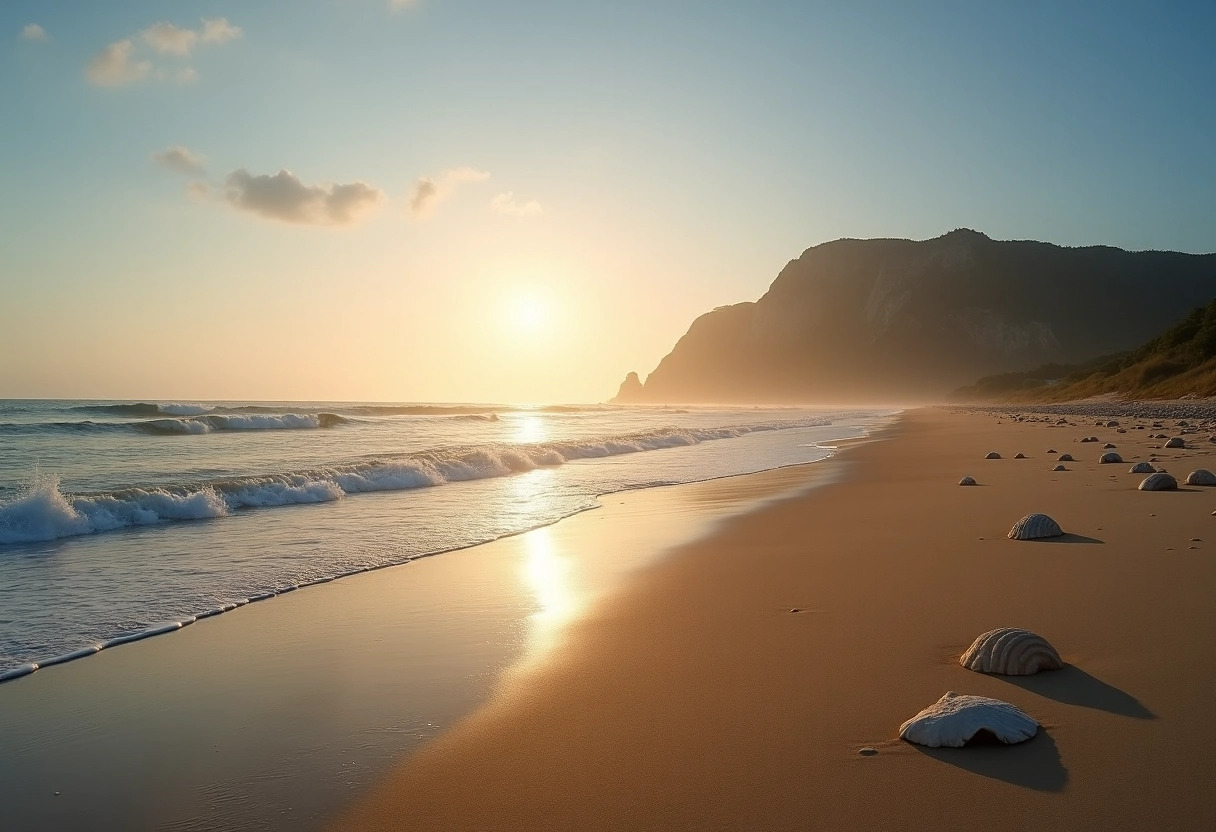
121 520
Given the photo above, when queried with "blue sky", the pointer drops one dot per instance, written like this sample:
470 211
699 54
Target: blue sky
611 169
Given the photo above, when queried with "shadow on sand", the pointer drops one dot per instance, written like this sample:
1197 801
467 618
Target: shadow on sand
1070 538
1073 686
1034 764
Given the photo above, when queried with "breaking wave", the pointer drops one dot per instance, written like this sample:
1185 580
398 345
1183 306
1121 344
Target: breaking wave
184 425
42 511
150 410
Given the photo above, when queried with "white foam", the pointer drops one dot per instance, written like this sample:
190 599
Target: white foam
43 512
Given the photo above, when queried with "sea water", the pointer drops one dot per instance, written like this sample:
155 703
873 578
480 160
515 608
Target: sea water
120 520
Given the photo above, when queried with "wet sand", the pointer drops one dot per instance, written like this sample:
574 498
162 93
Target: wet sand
279 714
733 684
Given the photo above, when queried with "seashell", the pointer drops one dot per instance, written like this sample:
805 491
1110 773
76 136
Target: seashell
1112 424
1090 439
1110 456
1176 442
967 481
1034 527
1201 476
1053 450
1110 445
1010 651
993 455
1059 468
1159 481
1065 458
955 719
1019 456
1142 468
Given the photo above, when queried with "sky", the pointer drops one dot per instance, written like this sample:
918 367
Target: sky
479 200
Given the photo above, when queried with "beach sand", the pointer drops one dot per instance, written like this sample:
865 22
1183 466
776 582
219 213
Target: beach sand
279 714
696 698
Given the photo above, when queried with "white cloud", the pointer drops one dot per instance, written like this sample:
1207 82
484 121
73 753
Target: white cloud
505 203
179 159
284 197
169 39
219 30
116 64
114 67
401 5
430 191
32 31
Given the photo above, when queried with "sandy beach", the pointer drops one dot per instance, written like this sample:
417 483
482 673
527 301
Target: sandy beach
733 684
279 714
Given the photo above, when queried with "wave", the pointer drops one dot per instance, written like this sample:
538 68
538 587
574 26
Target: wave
42 511
185 425
150 410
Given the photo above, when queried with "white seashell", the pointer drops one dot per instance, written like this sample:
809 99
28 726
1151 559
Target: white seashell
967 481
1065 458
1201 476
1142 468
1010 651
1176 442
1034 527
1059 468
993 455
1159 481
1110 456
955 719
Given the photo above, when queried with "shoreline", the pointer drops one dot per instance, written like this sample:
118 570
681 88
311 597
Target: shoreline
735 684
369 668
169 627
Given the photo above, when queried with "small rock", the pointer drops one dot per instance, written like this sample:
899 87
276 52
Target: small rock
865 752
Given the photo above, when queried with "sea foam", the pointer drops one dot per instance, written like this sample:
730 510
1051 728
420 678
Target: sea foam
43 511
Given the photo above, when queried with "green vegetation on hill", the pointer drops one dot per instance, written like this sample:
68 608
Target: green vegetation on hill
1179 362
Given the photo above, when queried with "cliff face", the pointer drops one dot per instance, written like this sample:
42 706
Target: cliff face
880 320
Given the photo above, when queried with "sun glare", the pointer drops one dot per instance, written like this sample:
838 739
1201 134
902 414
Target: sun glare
529 313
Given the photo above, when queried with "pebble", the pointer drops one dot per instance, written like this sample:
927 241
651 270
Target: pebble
865 752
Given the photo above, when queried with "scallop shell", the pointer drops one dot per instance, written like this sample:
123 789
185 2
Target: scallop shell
1010 651
1110 456
1159 481
956 718
1201 476
1035 526
1142 468
1065 458
967 481
1176 442
992 455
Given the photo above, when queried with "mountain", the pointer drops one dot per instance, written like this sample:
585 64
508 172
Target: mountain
883 320
1179 362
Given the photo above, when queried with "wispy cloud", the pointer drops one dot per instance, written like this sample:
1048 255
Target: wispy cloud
284 197
506 203
118 65
114 66
179 159
401 5
430 191
169 39
32 31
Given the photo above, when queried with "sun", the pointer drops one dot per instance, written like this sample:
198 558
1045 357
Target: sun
528 313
